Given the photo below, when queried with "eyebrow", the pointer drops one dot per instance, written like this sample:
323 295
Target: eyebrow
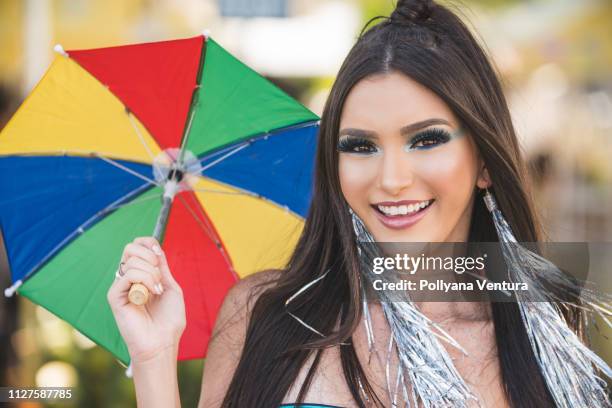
405 130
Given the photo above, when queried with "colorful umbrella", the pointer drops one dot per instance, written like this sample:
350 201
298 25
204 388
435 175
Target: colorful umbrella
106 134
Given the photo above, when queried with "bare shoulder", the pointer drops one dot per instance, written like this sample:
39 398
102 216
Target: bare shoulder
248 289
227 339
240 299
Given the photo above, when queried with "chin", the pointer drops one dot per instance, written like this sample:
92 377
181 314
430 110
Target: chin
399 236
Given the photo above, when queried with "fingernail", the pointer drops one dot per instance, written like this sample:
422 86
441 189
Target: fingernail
160 288
157 250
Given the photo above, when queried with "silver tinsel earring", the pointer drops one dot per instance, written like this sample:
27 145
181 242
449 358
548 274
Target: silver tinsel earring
567 365
425 373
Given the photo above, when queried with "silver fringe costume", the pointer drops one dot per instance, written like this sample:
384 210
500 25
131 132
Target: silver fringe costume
426 374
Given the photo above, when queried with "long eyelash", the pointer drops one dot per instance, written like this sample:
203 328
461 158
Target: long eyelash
438 135
349 144
352 143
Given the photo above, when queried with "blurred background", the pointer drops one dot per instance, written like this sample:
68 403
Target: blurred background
554 56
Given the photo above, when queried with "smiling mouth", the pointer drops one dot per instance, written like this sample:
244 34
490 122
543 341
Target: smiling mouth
402 210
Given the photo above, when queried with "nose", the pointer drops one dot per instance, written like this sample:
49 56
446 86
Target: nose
395 173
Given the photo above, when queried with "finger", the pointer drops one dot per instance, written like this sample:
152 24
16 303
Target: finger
167 277
118 293
140 251
149 242
138 263
153 244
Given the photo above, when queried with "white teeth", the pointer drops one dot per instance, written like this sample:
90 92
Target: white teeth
403 209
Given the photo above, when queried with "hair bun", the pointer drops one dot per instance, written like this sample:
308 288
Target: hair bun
413 11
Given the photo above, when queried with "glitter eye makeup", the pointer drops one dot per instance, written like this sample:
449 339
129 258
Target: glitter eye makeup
429 138
424 140
356 144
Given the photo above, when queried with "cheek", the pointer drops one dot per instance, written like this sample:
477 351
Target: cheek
357 176
451 174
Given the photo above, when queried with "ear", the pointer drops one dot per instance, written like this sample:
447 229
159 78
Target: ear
484 179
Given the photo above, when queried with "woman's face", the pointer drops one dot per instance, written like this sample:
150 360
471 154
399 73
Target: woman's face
406 168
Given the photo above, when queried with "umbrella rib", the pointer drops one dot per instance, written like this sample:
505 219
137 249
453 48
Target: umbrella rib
126 169
243 191
62 152
261 136
225 156
217 152
208 230
210 190
142 141
184 141
112 208
79 230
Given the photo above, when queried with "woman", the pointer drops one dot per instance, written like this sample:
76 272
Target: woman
415 127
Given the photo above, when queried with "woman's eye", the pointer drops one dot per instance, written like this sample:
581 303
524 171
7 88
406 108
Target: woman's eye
430 138
425 143
356 145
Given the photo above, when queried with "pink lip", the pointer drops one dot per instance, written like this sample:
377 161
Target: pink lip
401 221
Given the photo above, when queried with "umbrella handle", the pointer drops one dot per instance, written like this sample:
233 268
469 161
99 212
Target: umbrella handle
138 294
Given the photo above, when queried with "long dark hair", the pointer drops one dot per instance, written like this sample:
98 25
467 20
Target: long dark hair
431 45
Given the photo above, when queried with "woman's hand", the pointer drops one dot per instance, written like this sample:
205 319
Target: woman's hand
156 326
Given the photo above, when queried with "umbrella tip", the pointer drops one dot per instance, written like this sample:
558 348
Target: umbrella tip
60 50
128 372
10 291
206 33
